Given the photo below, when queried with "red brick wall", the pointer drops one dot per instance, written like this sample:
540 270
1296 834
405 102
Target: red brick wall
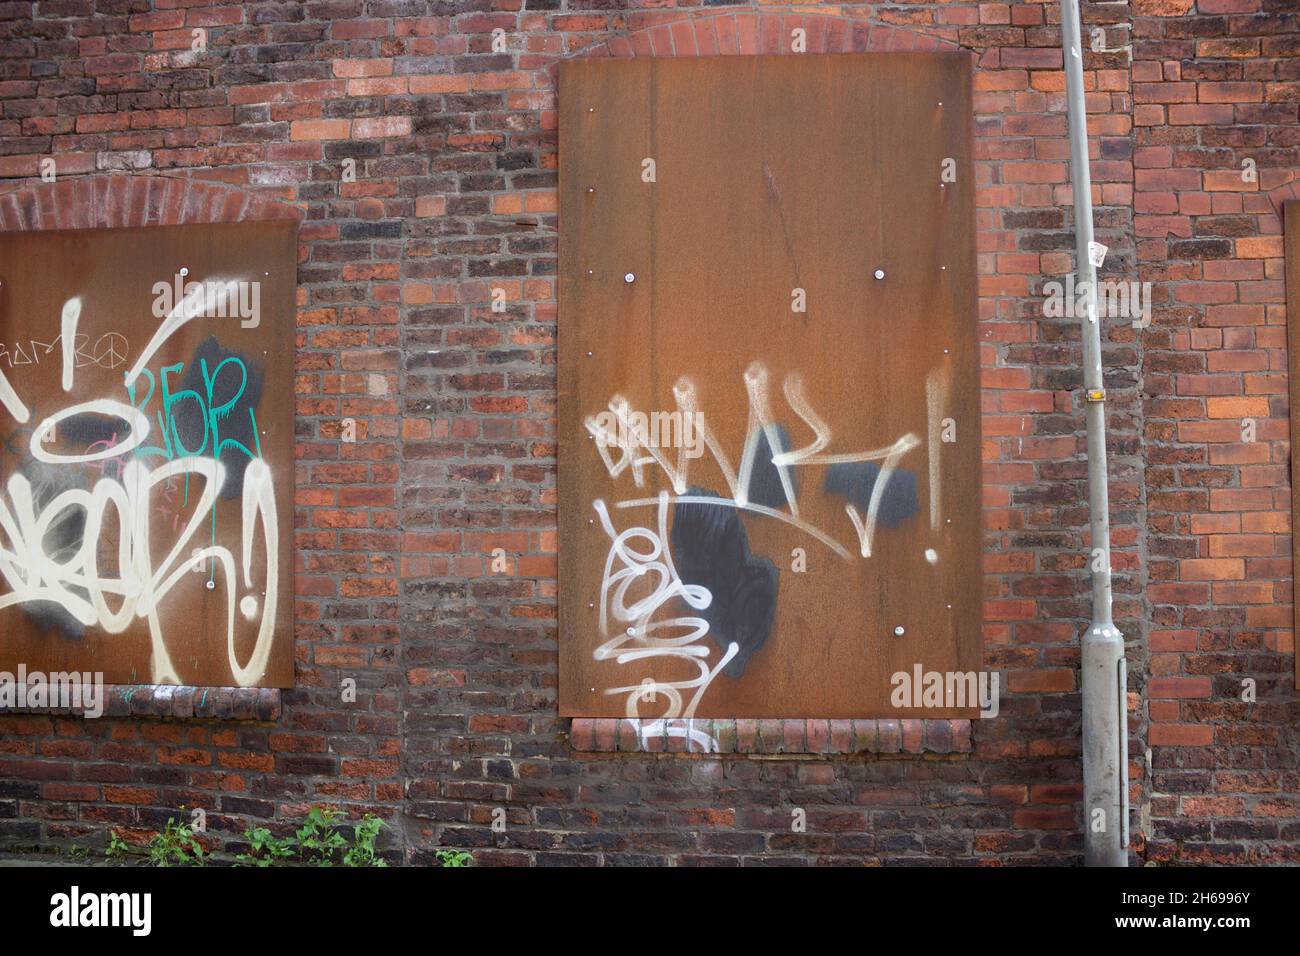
1213 85
454 148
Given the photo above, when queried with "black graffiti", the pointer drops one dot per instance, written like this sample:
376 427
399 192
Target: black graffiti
857 480
710 548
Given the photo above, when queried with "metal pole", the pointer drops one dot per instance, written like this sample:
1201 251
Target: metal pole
1105 736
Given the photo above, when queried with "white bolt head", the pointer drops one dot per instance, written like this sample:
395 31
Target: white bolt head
898 631
629 277
879 273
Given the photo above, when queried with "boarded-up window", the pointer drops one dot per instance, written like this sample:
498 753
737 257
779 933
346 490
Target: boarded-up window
769 408
146 453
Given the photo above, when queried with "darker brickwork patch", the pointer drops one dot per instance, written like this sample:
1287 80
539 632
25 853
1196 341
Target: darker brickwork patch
168 700
767 737
221 703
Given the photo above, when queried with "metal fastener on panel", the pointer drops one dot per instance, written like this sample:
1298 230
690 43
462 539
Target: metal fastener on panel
629 277
879 273
898 631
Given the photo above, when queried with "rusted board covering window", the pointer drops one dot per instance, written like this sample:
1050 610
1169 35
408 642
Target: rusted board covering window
768 399
1291 228
146 453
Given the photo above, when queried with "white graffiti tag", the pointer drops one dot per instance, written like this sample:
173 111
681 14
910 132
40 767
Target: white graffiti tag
70 575
639 558
637 451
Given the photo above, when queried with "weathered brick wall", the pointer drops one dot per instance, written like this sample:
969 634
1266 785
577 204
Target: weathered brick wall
454 152
1216 84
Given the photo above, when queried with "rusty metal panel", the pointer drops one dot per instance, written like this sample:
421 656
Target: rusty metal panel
808 524
1291 228
146 453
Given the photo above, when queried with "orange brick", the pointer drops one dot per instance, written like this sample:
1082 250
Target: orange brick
1259 247
357 69
320 129
1181 687
1237 407
542 201
1211 569
507 205
430 206
1181 735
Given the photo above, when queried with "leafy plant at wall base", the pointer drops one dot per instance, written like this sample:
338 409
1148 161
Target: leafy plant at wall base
455 858
264 848
176 846
362 851
317 842
117 847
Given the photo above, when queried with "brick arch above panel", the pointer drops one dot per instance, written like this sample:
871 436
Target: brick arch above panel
761 31
114 201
